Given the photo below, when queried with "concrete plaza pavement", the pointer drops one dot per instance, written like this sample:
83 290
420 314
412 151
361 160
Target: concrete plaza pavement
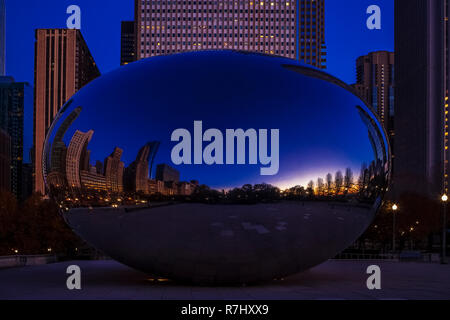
335 279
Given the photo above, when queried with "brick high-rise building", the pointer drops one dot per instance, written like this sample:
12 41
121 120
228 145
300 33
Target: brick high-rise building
63 65
422 70
293 29
14 96
127 43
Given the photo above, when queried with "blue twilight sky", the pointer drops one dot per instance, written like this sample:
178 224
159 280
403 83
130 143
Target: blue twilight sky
346 34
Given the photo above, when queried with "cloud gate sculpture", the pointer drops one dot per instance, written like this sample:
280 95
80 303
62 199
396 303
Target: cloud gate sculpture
217 167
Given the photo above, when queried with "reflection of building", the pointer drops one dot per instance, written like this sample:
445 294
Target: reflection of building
90 179
63 65
271 27
5 161
186 188
421 106
13 98
114 171
111 176
375 137
59 150
166 173
127 43
138 173
76 157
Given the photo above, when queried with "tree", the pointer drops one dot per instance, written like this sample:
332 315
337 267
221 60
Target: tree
320 187
329 183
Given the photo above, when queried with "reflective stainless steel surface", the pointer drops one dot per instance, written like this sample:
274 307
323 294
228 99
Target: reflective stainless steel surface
217 167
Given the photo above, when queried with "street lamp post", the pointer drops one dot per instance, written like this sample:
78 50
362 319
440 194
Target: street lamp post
444 230
394 210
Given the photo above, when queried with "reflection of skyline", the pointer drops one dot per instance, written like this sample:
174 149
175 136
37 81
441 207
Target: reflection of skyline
312 143
71 167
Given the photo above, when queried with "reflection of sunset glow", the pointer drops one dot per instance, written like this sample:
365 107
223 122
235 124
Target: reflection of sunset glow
305 178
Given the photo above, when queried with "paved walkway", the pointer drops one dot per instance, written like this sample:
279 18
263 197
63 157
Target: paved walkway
331 280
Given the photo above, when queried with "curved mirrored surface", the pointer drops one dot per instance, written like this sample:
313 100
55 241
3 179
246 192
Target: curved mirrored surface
217 167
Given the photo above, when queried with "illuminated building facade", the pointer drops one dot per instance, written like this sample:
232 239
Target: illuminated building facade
421 105
91 180
114 169
63 65
76 157
293 29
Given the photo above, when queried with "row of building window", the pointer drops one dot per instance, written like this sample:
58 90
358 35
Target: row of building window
215 3
216 35
159 11
188 43
283 52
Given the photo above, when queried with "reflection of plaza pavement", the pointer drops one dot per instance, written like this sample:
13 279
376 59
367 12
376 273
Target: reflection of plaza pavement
331 280
223 243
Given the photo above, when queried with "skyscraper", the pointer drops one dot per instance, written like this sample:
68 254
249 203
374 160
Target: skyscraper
311 32
114 171
76 157
293 29
63 65
2 37
375 84
5 161
13 98
421 100
127 43
139 171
